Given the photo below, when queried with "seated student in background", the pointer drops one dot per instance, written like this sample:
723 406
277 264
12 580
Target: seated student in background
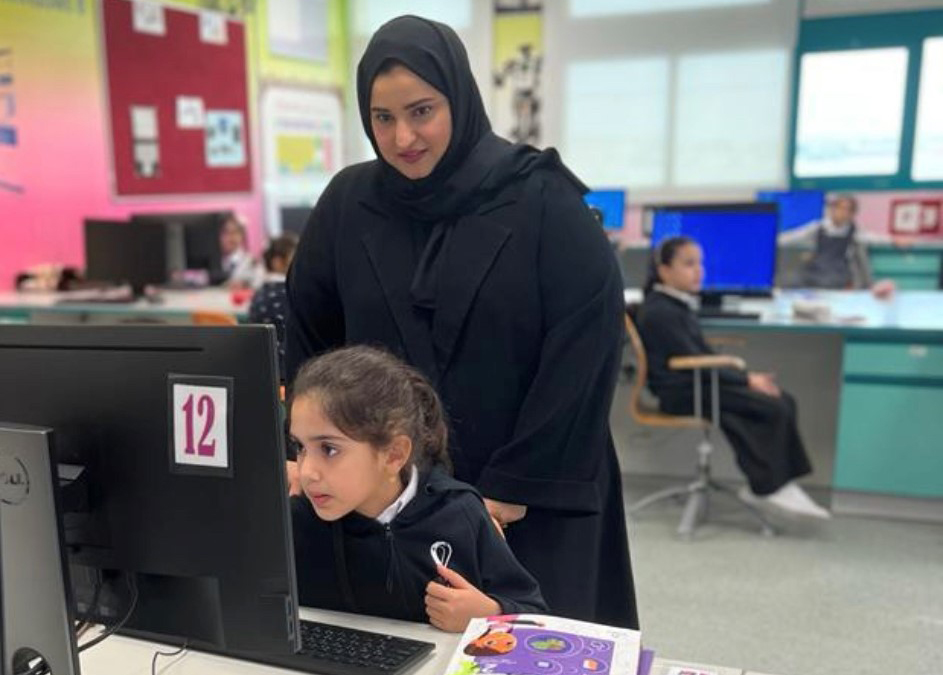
372 445
839 257
757 417
239 269
269 303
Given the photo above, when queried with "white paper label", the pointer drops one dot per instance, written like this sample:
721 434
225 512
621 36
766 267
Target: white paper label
213 28
200 426
190 113
148 17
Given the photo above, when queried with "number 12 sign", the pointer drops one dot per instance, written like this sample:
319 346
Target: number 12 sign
201 424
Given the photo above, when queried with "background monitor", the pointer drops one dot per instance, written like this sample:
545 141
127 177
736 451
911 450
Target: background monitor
197 233
294 218
796 207
739 243
207 548
612 205
117 252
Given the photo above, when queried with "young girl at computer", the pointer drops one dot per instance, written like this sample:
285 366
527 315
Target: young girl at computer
382 528
758 418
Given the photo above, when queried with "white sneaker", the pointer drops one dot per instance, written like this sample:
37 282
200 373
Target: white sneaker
792 499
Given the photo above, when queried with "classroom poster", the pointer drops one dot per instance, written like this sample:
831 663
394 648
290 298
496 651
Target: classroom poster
9 179
301 139
517 62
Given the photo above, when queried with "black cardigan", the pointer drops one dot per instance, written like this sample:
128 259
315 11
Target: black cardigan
671 328
388 566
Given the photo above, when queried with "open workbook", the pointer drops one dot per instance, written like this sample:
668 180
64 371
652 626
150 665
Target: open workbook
532 644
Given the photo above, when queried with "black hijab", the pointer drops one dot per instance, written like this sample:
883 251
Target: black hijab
476 164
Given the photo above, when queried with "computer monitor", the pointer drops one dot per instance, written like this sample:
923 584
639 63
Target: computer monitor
294 218
116 252
199 233
611 203
181 492
738 240
796 207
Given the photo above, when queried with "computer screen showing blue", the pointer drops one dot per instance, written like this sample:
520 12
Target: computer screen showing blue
612 205
796 207
738 240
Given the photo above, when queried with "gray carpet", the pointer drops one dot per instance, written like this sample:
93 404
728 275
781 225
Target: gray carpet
856 596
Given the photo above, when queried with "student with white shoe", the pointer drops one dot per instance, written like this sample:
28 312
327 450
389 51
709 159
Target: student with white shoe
758 418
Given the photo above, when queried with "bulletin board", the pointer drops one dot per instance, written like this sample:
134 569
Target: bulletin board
178 99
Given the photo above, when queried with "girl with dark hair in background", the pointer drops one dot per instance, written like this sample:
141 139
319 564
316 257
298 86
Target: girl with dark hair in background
758 418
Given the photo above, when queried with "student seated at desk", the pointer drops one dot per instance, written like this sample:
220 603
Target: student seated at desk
839 257
757 417
379 502
270 302
240 269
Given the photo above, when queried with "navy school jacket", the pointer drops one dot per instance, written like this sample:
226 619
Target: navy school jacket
357 564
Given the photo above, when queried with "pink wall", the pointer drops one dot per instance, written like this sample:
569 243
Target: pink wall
62 159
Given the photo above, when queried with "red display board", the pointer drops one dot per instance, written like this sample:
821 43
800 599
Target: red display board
161 58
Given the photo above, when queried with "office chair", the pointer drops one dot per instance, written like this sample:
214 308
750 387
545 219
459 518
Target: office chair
699 489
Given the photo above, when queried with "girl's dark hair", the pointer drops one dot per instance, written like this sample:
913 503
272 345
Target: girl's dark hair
282 247
664 254
372 396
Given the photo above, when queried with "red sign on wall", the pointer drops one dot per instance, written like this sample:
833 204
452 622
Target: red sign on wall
178 100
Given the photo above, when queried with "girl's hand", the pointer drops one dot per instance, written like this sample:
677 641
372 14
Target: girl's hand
294 478
505 513
764 383
450 608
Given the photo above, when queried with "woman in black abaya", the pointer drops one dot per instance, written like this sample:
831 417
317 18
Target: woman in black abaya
477 261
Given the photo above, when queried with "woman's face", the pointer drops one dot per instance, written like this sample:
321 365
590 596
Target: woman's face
686 271
411 122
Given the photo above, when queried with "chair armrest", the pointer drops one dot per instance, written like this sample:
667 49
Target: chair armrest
707 361
723 341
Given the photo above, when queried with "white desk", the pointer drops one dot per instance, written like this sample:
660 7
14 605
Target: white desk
123 656
174 305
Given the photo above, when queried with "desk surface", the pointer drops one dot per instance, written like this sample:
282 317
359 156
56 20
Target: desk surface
852 312
176 302
124 656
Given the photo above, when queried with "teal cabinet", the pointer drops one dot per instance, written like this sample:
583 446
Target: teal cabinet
890 429
910 269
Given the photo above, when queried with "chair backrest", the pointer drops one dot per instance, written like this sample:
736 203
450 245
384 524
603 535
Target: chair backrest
641 370
205 317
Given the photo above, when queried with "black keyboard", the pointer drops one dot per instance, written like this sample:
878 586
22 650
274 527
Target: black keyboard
327 649
350 647
336 650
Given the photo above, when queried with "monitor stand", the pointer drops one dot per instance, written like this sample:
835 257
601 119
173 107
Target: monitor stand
712 307
35 605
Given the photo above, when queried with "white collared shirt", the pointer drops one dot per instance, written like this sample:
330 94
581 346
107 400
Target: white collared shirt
406 496
688 299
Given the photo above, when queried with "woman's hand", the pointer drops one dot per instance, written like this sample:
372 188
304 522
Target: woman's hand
451 607
503 513
765 383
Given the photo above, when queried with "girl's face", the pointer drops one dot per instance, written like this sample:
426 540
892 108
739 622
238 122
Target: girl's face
339 474
411 122
230 238
686 271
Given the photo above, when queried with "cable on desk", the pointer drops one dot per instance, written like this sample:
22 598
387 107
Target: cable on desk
133 587
159 653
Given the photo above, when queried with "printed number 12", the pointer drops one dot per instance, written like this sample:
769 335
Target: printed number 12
206 409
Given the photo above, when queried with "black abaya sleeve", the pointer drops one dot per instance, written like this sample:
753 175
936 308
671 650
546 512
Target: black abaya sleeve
561 436
315 321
